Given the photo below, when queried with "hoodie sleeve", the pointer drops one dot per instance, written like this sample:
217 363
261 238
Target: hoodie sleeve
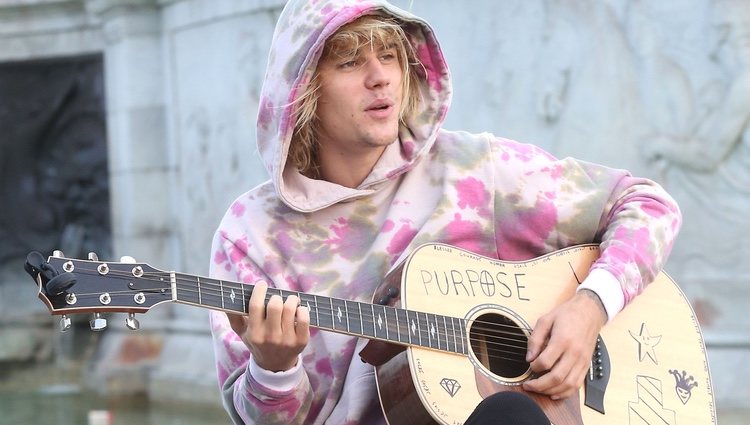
638 227
249 399
544 204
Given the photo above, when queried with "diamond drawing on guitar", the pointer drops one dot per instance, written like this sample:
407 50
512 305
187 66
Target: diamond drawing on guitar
451 386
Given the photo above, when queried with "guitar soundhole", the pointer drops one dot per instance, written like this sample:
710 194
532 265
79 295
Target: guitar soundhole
499 344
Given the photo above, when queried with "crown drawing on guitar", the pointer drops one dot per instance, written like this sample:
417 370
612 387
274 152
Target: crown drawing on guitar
684 384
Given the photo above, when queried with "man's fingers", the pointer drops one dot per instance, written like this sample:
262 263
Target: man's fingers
538 338
302 327
238 323
257 303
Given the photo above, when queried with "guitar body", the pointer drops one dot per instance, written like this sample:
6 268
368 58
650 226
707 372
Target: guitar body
650 367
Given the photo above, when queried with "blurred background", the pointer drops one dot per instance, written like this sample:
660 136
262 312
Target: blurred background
127 128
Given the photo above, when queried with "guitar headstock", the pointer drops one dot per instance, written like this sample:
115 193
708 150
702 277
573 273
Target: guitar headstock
71 286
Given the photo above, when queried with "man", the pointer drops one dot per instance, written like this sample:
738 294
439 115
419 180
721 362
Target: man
361 173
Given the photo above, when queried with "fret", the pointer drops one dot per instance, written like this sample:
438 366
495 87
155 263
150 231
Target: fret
368 320
338 312
452 348
422 326
413 324
374 321
233 301
309 302
436 330
353 311
402 320
207 292
182 292
462 336
434 337
221 286
381 330
391 324
448 340
245 299
199 291
326 315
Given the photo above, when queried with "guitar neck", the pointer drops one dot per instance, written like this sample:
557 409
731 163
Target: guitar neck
371 321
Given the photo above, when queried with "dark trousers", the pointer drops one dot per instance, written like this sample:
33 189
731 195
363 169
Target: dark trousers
508 408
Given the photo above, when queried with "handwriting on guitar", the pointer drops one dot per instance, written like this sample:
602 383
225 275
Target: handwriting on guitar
474 283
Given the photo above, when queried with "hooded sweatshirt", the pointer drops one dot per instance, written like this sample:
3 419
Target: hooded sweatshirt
492 196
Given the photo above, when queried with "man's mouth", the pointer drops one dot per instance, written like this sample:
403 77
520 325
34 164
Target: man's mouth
379 105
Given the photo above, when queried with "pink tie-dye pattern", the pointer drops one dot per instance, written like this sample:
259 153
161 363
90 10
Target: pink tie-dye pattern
238 251
238 209
472 193
555 172
424 53
388 225
349 237
656 211
220 257
324 367
401 239
464 234
533 226
408 148
265 113
639 241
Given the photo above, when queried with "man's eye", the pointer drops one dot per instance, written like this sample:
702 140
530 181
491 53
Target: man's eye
348 64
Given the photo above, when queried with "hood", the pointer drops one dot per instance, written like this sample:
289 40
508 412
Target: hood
303 27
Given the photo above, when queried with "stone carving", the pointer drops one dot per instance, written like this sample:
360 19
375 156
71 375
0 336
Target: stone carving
707 164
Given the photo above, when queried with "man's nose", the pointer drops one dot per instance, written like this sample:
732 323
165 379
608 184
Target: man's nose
377 76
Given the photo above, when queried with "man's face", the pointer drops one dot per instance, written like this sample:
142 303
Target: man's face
360 99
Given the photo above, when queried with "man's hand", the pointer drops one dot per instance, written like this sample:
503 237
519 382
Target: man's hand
562 344
275 333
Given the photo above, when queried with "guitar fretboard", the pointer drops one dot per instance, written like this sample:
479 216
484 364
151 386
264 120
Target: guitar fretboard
372 321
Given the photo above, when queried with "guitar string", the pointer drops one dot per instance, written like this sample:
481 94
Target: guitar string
325 310
217 288
490 341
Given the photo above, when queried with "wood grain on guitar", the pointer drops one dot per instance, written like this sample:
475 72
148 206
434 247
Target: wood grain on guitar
448 327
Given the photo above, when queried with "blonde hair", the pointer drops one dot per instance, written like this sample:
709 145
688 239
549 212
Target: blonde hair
370 30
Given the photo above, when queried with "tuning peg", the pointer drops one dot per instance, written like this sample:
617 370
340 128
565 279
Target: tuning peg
93 256
97 322
132 323
57 253
127 259
65 323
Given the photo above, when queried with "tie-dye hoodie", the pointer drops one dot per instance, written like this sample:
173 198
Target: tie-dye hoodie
493 196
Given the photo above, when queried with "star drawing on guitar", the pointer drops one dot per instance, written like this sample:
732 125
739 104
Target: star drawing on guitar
646 343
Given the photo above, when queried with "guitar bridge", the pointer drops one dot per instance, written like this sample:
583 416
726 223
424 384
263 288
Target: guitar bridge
598 379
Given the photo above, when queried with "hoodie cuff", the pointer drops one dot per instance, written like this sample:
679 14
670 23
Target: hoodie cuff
606 286
276 381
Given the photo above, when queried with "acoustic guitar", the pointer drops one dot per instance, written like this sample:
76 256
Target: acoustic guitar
447 328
